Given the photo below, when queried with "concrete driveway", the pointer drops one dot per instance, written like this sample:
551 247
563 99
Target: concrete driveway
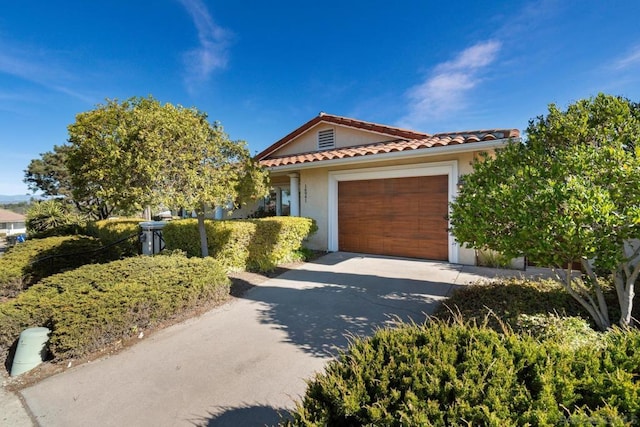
242 363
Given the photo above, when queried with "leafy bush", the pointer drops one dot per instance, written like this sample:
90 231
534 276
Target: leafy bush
28 262
53 217
95 305
456 374
505 301
113 230
255 244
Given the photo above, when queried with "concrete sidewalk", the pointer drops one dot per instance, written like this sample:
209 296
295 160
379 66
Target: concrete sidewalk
244 362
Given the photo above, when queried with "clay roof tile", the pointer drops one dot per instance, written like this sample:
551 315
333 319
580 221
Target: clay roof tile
423 141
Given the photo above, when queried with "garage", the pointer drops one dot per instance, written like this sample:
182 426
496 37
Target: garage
397 216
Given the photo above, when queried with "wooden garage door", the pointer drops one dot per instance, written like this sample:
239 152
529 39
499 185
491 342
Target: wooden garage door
399 216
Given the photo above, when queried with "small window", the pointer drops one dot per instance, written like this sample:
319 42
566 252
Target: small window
326 139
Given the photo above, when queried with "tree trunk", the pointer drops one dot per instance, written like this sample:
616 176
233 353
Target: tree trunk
204 246
585 300
147 213
626 306
625 279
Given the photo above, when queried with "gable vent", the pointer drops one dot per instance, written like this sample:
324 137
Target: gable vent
326 139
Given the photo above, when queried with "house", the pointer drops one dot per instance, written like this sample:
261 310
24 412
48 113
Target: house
376 189
11 223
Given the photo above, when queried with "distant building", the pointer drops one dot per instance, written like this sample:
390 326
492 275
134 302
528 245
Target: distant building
11 223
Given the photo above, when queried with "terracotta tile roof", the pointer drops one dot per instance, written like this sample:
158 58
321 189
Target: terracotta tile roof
9 216
344 121
437 140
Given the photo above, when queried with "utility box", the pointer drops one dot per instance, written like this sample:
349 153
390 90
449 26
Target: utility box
151 238
31 350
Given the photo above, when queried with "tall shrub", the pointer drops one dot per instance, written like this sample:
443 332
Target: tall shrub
571 192
258 244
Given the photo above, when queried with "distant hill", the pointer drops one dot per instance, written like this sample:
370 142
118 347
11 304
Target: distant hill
14 199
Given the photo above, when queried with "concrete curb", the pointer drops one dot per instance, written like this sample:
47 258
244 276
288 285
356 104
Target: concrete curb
13 412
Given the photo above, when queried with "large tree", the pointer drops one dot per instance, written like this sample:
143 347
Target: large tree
49 175
570 192
110 156
141 152
200 166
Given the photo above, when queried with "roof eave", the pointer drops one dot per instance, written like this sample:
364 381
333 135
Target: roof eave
398 155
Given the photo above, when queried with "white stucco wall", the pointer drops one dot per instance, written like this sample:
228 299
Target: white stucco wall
314 205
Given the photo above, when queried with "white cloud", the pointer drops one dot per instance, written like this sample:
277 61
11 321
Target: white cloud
39 67
444 90
629 60
211 54
477 56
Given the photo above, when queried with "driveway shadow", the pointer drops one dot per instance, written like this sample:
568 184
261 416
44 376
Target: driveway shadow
260 415
319 310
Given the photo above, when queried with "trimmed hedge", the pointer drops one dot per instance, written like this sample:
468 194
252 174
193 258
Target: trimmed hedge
95 305
455 374
26 263
111 230
252 244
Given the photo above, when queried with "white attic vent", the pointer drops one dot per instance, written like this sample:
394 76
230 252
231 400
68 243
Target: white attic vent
326 139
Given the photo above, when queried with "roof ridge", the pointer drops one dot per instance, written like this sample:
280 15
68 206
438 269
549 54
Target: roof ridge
368 123
344 121
508 132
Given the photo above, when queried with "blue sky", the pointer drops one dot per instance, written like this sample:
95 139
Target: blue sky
264 68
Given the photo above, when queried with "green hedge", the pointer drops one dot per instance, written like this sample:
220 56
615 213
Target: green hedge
255 244
112 230
26 263
95 305
453 374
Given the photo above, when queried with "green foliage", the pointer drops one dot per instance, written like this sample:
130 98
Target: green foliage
96 305
109 231
504 301
455 374
20 266
140 152
257 244
107 156
571 192
133 153
50 175
569 331
53 217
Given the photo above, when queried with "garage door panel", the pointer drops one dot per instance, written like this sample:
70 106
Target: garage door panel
399 216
